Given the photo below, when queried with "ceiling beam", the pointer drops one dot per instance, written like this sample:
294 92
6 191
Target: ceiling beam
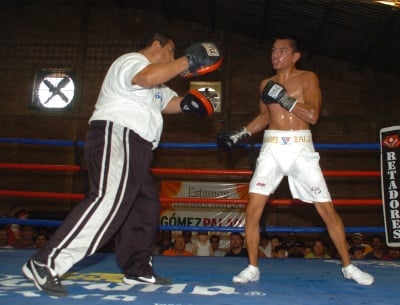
264 25
321 28
378 37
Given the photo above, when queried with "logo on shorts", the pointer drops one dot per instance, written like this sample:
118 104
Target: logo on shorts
286 140
260 184
316 190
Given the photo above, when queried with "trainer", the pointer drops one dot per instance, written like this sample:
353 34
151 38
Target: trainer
124 130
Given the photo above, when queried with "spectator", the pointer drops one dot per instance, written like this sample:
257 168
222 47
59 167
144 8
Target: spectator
357 239
394 252
290 240
41 240
236 242
296 250
276 240
378 249
187 235
214 241
264 248
14 210
165 242
157 241
279 252
14 229
202 246
357 252
307 250
4 239
27 238
178 249
318 250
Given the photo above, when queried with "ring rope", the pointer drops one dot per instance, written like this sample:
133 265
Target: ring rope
211 145
187 171
272 229
164 171
70 196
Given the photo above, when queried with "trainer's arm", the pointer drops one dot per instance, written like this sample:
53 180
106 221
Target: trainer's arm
158 73
174 106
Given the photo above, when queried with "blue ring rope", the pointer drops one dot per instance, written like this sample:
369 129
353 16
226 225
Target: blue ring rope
210 145
272 229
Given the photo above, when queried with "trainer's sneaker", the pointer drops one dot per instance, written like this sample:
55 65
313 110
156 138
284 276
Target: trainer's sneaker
149 279
44 278
249 274
351 272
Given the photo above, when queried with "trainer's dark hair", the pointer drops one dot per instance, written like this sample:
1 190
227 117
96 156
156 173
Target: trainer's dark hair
147 39
294 42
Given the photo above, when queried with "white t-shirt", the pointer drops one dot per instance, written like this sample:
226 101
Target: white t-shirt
267 250
203 250
132 106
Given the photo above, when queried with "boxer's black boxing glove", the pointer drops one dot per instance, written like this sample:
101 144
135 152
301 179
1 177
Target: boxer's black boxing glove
203 58
196 103
274 92
229 139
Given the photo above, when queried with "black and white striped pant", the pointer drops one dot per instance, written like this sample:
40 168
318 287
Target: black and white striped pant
122 203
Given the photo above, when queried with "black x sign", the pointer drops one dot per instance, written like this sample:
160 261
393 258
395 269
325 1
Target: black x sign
56 90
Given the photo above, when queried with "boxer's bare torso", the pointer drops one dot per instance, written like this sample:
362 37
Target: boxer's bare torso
301 85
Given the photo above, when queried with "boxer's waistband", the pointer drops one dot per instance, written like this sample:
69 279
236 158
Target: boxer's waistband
287 137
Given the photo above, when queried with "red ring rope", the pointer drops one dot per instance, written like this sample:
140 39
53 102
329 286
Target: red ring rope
68 196
180 171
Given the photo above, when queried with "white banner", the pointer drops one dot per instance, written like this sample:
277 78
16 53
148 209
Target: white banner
390 169
198 212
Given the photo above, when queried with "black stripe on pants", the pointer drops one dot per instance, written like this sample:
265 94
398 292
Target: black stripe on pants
118 162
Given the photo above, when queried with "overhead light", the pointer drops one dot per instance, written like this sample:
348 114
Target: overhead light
392 3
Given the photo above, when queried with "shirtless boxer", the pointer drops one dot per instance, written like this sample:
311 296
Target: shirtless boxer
290 102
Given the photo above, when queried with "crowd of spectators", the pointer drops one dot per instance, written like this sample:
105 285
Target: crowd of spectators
17 236
203 243
187 243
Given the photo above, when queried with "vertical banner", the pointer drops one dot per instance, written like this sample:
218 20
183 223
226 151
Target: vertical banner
390 172
198 213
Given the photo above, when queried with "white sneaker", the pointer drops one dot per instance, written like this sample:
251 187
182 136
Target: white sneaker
249 274
351 272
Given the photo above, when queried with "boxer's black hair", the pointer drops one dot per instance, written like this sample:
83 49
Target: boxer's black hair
294 42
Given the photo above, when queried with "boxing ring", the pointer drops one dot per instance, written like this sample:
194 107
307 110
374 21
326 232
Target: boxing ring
200 280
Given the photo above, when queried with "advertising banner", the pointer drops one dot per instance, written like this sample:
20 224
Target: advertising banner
390 169
198 213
